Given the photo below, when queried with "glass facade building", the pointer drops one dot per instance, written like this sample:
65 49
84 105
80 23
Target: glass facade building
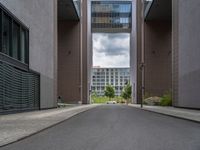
116 77
111 16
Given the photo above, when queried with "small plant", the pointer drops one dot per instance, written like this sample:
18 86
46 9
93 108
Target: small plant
166 100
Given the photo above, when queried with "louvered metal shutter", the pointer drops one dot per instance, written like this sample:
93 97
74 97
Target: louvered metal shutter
19 90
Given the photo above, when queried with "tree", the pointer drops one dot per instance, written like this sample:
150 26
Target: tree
126 93
109 92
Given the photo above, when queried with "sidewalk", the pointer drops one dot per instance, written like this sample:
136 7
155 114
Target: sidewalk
14 127
188 114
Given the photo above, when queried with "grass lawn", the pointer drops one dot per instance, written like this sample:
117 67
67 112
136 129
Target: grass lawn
101 100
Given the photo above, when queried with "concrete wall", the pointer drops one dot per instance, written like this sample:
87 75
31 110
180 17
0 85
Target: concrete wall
40 17
86 51
158 70
186 50
135 52
69 51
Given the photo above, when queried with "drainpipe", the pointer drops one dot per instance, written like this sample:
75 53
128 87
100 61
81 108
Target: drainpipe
81 53
142 64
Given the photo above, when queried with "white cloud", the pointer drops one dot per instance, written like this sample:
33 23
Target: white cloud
111 50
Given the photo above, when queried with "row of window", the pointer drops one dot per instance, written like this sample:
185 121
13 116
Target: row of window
107 70
13 37
103 84
112 7
107 73
113 20
103 87
111 25
98 70
108 15
109 77
96 75
107 81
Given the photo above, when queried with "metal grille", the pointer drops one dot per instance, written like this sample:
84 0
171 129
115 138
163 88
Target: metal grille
19 90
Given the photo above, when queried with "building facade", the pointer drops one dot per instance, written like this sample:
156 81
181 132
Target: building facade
171 50
116 77
27 55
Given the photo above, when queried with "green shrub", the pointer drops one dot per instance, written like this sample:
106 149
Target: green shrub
166 100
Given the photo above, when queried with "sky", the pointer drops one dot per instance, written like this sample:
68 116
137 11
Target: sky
111 50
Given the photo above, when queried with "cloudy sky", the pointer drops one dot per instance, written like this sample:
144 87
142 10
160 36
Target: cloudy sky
111 50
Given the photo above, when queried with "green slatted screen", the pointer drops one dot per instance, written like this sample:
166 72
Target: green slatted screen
19 90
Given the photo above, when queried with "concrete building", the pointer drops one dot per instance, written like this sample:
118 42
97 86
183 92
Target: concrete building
28 54
46 49
171 50
116 77
69 51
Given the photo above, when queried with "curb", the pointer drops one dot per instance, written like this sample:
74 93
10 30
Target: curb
39 131
178 117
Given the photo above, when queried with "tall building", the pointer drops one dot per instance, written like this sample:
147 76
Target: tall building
171 50
109 16
116 77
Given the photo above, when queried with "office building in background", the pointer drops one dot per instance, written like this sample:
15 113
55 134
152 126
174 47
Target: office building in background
116 77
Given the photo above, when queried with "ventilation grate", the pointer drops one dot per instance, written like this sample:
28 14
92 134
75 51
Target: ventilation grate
19 90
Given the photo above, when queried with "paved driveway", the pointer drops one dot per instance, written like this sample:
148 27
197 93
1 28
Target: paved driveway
115 127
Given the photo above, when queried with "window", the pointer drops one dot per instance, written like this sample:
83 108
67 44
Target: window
14 38
124 20
6 24
77 6
15 42
125 8
23 46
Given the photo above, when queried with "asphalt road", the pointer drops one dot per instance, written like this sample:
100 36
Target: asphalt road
115 127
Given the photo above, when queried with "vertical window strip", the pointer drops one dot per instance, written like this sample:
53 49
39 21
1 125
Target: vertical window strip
11 37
